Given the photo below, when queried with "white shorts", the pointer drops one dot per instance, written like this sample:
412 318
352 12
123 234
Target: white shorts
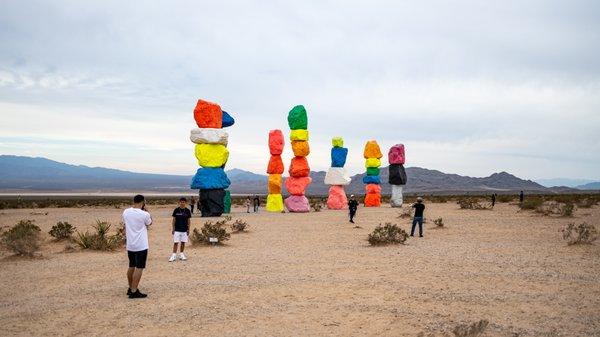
180 237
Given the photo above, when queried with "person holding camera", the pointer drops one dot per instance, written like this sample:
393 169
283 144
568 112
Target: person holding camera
136 220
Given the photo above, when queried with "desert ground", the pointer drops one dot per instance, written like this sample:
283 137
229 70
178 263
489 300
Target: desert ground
313 275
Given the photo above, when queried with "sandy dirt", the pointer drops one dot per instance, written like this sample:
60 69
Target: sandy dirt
314 275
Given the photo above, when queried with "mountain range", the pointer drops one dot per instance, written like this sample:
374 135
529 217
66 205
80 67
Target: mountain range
22 174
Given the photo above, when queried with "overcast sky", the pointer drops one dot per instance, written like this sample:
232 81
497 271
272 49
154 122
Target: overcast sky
470 87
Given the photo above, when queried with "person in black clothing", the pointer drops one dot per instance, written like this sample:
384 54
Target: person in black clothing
256 203
180 228
493 199
192 204
352 206
419 209
521 197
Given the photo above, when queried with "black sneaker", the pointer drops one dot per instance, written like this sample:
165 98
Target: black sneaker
137 294
420 236
129 291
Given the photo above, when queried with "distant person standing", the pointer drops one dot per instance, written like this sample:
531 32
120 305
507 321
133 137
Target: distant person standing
352 207
418 218
192 204
136 220
180 228
247 204
256 203
493 199
521 197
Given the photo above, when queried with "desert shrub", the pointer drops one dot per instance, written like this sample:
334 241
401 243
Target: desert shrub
580 234
239 225
470 330
100 239
387 234
531 203
472 203
405 213
22 239
586 203
211 230
317 206
62 230
439 222
567 209
554 208
505 198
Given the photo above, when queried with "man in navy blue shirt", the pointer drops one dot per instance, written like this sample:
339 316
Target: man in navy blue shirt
419 209
180 228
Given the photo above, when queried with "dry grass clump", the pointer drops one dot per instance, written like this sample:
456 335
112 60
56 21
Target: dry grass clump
405 213
100 239
62 231
553 208
531 203
239 226
317 206
580 234
472 203
471 330
210 231
505 198
387 234
23 239
439 222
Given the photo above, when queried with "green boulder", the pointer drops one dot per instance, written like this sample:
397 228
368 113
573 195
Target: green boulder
372 171
227 202
297 118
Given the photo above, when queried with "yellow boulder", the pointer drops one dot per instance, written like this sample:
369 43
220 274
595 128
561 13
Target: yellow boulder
274 203
373 162
299 134
211 155
337 142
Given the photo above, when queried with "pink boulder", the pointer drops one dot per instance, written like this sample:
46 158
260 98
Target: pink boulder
337 198
297 204
396 154
296 186
275 142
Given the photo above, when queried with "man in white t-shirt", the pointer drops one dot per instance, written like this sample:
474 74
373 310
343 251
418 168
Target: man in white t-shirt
136 221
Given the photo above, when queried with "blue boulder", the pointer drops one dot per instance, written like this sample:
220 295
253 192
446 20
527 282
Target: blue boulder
371 180
227 120
338 156
210 178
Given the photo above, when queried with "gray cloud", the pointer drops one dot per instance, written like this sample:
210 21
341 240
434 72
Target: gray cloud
470 87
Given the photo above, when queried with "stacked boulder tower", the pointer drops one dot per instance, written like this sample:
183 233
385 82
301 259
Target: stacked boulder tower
275 170
397 178
337 176
299 170
372 155
212 154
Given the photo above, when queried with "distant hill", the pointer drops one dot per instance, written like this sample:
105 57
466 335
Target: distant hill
40 174
590 186
567 182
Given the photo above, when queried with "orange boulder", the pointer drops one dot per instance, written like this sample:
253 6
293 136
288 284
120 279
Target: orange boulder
373 200
297 186
208 115
299 167
274 183
275 142
275 165
372 150
373 188
300 148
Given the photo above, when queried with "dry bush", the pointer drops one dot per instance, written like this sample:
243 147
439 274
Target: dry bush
317 206
22 239
531 203
387 234
62 231
405 213
100 239
554 208
580 234
239 225
505 198
439 222
471 330
211 230
586 203
472 203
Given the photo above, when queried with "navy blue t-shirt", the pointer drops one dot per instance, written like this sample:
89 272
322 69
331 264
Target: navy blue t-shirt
181 216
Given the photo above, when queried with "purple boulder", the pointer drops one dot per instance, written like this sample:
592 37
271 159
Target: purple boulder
297 204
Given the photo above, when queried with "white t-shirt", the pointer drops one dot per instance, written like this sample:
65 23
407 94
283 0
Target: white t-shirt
136 221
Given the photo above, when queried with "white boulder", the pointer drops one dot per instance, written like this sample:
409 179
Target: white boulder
209 136
396 199
337 176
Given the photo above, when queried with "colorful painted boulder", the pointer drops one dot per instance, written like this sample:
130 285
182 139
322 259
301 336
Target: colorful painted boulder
299 167
396 199
210 178
211 155
337 176
227 120
209 136
297 118
338 156
211 202
372 162
337 142
372 171
396 154
297 186
371 180
397 174
373 188
372 150
274 184
274 203
373 200
300 148
299 135
297 204
275 165
337 198
208 115
276 142
227 202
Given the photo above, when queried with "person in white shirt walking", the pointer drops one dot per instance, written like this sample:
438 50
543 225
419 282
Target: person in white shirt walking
136 220
180 228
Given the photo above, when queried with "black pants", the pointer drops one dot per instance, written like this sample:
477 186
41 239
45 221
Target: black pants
352 214
419 220
192 207
255 208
